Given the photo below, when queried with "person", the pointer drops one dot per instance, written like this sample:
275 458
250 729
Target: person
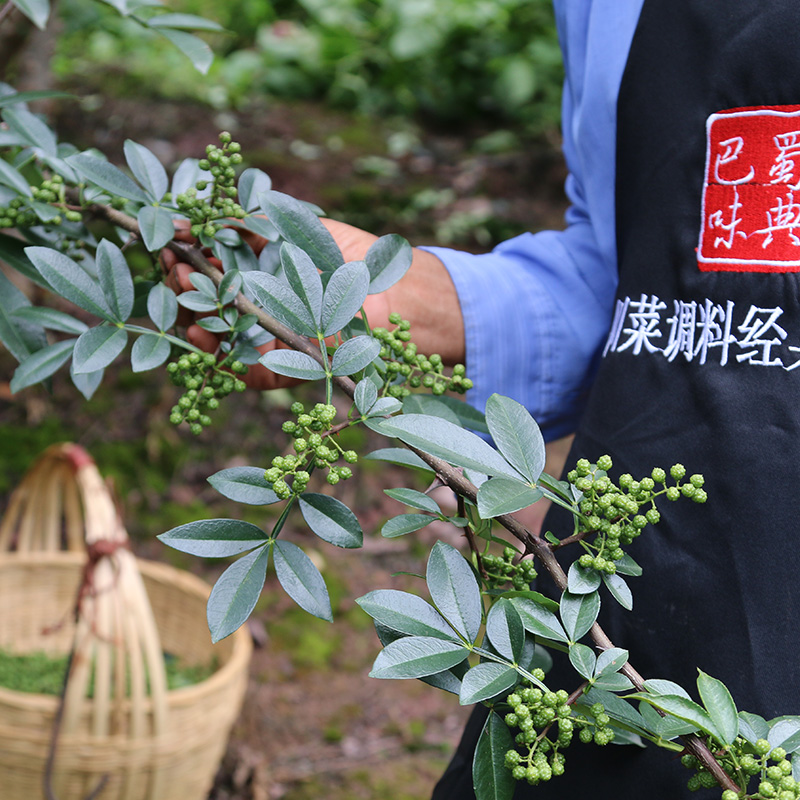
663 324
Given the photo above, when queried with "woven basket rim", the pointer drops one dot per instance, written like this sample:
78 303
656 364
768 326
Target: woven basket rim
240 652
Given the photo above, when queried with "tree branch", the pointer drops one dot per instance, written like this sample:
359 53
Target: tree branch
449 475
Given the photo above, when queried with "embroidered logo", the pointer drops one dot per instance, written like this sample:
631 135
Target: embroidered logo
751 191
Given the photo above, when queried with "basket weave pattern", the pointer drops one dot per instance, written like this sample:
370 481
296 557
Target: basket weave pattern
118 720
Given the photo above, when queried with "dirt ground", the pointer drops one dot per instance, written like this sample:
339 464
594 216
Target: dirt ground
313 724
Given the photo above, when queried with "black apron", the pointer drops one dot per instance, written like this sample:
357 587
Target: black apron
701 366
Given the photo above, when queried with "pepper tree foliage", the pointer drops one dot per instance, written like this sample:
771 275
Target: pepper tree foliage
483 635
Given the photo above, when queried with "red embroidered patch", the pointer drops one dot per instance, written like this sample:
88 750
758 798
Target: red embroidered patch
751 191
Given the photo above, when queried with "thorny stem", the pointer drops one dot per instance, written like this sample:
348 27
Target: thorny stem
449 475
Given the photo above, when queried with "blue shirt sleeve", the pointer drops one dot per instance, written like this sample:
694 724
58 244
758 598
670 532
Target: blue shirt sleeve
538 307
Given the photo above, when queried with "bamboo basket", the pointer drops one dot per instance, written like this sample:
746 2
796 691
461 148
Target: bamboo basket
119 725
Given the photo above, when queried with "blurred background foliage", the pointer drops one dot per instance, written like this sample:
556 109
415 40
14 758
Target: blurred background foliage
441 61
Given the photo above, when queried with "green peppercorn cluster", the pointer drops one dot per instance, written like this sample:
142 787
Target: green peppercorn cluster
206 215
618 513
314 449
535 713
500 570
743 762
408 369
206 381
51 191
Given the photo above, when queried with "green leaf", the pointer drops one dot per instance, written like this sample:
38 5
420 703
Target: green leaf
485 681
252 183
149 351
194 48
300 226
666 727
38 94
115 280
400 456
785 733
301 580
615 682
236 593
69 280
415 499
98 347
37 11
344 296
86 382
454 590
304 280
539 620
505 630
516 435
752 727
10 177
611 660
405 523
387 259
365 396
32 128
578 613
49 318
214 324
406 613
616 708
583 659
581 580
417 656
505 496
491 779
627 566
162 306
660 686
720 706
21 324
106 176
281 302
293 364
620 590
214 538
446 440
12 251
331 520
684 709
262 226
244 485
156 227
354 354
41 364
189 21
147 169
230 286
196 301
384 406
453 409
